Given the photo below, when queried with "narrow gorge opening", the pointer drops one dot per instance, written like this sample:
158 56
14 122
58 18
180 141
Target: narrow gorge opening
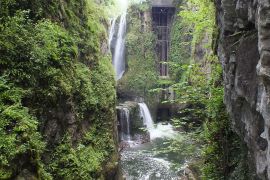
134 90
145 124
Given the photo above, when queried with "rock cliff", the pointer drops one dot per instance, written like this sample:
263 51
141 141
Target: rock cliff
57 91
244 50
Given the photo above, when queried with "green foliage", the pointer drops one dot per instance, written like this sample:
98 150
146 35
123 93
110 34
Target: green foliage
84 19
204 108
180 47
104 84
85 160
200 16
199 87
18 133
140 42
45 66
44 46
82 162
224 153
183 147
200 91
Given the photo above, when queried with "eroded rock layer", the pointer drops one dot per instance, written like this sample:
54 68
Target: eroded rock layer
244 50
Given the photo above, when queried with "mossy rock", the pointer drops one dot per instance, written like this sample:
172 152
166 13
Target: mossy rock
136 121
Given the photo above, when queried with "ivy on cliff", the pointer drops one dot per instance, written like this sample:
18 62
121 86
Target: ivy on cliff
199 15
141 75
19 137
50 57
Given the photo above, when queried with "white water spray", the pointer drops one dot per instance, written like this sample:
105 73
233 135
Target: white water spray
147 118
161 130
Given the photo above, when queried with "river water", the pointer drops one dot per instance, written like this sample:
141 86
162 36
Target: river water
154 160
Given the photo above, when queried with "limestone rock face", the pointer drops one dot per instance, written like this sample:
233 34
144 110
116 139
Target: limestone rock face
244 50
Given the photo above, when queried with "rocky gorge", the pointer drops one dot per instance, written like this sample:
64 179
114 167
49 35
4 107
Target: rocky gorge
135 89
244 50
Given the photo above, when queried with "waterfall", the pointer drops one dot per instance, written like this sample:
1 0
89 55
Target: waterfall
125 124
145 113
127 118
119 45
112 32
161 130
119 51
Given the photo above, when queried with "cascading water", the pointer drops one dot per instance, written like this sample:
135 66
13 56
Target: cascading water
119 51
125 124
161 130
145 113
142 162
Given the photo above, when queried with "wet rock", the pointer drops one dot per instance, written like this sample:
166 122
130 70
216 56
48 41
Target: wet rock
136 126
123 145
142 138
187 174
244 51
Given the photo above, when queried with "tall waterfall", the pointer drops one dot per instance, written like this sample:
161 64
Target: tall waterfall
125 124
119 51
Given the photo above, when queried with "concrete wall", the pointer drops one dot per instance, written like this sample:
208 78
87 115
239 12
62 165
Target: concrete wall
162 3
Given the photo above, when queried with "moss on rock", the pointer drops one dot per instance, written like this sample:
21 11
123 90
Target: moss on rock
57 88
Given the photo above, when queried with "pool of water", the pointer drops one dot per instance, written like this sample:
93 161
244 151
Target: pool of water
149 161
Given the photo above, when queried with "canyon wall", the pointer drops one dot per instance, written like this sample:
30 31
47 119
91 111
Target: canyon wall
244 51
57 91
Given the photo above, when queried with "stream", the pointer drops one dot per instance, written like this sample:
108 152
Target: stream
142 162
156 159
